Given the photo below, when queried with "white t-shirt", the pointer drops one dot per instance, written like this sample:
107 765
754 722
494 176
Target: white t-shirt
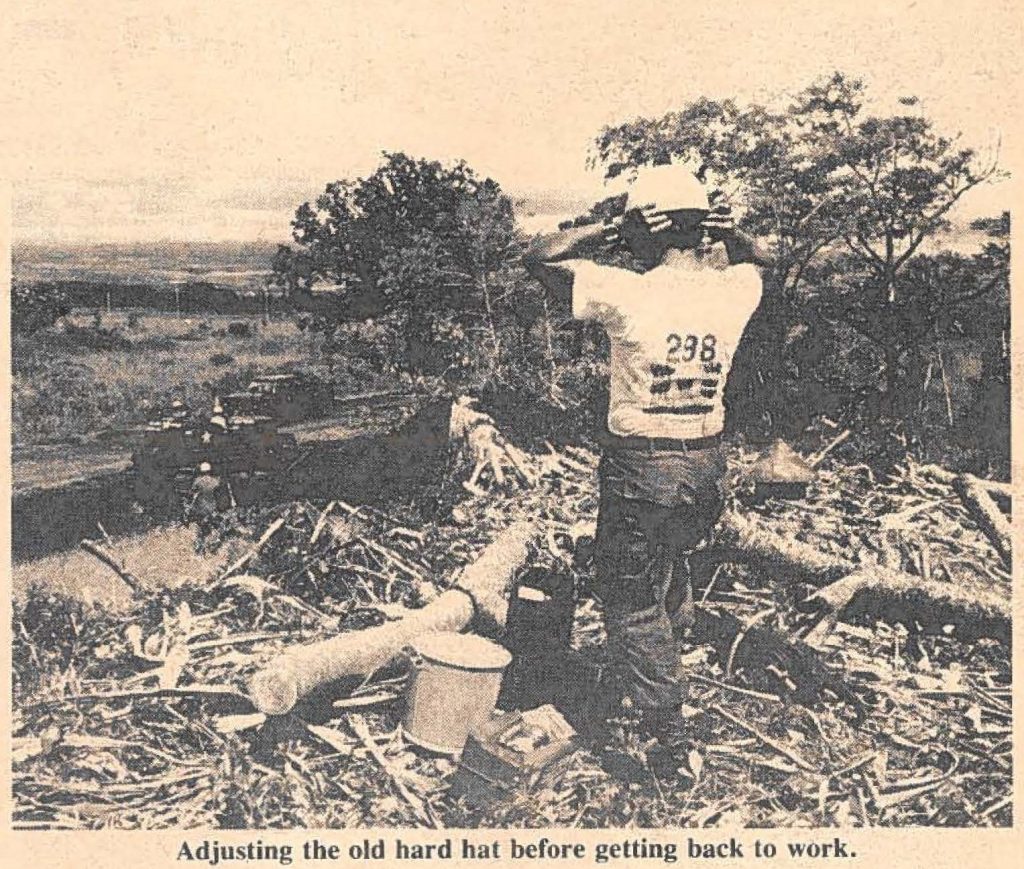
674 331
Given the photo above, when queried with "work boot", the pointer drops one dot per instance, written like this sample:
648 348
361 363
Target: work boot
669 756
594 715
603 728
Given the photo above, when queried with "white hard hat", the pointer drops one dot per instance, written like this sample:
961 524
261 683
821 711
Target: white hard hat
205 468
670 187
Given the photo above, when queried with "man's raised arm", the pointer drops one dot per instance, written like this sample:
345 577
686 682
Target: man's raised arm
545 252
742 248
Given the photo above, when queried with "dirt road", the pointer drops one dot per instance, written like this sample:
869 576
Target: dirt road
53 467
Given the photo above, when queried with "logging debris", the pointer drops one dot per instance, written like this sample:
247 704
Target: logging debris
144 718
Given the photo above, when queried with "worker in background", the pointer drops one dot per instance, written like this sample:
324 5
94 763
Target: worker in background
205 503
674 321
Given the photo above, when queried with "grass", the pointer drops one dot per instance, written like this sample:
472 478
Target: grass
67 387
161 558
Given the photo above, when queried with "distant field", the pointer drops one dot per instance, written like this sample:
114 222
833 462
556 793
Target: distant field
69 385
159 264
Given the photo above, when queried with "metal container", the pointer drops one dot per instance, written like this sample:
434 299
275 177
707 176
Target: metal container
538 630
454 688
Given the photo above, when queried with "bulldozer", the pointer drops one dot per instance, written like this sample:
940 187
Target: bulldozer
286 397
245 451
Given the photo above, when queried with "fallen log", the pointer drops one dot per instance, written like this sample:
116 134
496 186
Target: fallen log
989 517
479 589
849 589
743 539
747 541
899 597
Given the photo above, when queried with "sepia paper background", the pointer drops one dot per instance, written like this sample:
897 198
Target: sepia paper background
234 112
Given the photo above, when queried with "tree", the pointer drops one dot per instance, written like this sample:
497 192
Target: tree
418 268
895 183
425 248
823 181
36 307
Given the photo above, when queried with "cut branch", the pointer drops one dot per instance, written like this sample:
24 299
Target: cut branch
995 488
97 550
272 529
984 511
773 744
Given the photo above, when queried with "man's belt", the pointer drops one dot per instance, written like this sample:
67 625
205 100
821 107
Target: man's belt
651 445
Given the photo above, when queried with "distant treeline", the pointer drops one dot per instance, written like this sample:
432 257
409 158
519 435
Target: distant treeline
197 297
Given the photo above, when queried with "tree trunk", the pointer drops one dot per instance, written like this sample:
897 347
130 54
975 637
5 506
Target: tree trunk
491 328
480 589
891 373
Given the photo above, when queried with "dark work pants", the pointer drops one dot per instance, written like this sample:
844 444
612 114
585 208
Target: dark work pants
654 509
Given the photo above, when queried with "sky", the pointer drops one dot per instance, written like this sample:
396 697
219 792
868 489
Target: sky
137 121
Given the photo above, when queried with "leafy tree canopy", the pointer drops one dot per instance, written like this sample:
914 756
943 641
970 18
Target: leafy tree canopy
423 244
816 173
847 198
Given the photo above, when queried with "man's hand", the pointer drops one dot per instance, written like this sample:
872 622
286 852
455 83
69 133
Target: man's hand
719 225
655 220
610 235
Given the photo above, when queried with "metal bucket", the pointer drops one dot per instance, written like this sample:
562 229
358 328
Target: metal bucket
454 688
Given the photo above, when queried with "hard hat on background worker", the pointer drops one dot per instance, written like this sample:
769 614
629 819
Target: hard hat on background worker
205 468
671 187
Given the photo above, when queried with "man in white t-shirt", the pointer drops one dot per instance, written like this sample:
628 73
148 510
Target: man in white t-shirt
674 325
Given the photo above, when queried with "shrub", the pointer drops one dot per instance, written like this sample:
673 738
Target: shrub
271 347
157 343
239 329
36 307
90 338
222 359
